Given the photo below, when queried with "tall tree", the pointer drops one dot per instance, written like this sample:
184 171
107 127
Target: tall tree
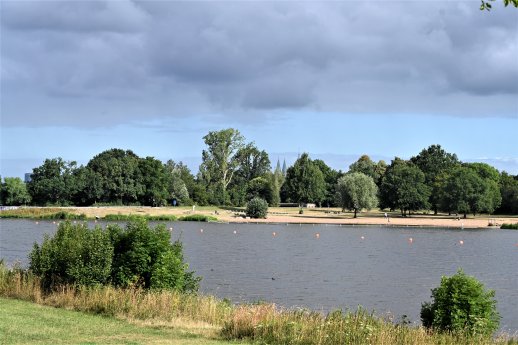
356 191
304 182
119 175
403 187
509 192
251 163
219 162
434 161
50 183
14 192
330 178
179 176
462 191
154 181
367 166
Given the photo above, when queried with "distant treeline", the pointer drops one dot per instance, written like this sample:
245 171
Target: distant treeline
234 171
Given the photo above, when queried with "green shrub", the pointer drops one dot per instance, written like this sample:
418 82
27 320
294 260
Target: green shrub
198 218
509 226
257 208
461 304
145 257
74 255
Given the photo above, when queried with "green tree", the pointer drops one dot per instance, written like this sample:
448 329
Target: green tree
356 191
509 192
14 192
330 178
181 182
461 304
119 175
304 182
251 163
367 166
260 187
403 187
434 162
467 191
154 181
219 162
51 182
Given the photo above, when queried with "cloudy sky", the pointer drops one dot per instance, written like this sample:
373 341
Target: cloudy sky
335 79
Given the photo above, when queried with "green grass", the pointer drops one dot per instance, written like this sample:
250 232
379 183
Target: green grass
509 226
28 323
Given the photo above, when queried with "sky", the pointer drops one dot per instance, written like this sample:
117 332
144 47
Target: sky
334 79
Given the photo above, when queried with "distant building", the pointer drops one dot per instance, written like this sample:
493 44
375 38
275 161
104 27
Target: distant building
27 177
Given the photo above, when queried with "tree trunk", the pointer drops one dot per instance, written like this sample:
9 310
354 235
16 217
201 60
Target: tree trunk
435 210
355 213
464 215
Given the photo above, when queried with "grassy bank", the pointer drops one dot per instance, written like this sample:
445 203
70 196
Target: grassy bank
28 323
264 323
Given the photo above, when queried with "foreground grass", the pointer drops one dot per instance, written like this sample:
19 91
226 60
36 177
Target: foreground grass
186 318
28 323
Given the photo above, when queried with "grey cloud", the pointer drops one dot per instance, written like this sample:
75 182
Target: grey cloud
84 63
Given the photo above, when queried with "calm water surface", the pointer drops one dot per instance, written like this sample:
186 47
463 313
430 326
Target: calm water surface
376 267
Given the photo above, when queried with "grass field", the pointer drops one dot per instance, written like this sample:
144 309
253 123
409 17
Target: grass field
28 323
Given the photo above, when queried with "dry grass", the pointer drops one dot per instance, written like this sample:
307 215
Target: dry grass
263 323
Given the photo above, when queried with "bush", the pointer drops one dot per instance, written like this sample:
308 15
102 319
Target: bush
257 208
136 255
509 226
461 304
75 255
145 256
198 218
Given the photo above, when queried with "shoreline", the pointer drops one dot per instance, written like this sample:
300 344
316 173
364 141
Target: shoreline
281 216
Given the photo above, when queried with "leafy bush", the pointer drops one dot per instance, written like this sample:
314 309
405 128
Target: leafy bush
136 255
145 256
461 304
74 255
198 218
257 208
509 226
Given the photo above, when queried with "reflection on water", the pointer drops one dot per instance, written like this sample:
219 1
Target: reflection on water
383 269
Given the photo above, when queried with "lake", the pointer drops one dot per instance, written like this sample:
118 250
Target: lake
388 270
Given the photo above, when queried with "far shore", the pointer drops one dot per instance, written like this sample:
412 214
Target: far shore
290 215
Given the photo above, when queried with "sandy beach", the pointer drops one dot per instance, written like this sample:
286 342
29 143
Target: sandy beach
310 216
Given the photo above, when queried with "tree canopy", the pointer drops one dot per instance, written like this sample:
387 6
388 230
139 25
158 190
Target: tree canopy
356 191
